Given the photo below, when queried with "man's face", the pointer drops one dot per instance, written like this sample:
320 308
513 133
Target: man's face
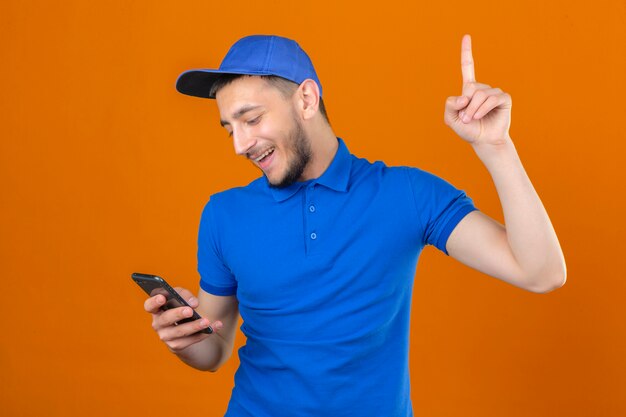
265 129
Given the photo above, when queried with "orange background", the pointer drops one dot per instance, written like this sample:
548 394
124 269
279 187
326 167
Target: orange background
105 169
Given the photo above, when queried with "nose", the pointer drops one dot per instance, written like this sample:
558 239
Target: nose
242 141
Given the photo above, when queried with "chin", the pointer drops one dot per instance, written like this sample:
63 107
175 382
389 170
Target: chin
278 182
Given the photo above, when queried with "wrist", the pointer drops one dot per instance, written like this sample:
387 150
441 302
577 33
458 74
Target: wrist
496 153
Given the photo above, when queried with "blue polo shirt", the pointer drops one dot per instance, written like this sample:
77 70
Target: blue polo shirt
323 271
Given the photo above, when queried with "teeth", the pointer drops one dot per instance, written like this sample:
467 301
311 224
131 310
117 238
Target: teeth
264 154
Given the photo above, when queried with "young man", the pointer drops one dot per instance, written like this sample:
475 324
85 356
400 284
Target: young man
318 254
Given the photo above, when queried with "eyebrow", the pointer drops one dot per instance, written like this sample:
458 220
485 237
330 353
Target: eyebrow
245 109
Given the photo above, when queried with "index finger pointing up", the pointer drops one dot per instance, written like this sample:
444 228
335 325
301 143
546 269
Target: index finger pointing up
467 61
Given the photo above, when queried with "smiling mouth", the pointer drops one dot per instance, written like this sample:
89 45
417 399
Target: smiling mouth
264 155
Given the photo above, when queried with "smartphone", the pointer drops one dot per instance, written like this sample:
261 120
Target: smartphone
154 285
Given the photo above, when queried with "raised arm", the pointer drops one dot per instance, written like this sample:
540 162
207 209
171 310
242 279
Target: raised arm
525 251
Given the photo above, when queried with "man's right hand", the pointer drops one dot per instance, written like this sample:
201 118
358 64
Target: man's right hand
181 336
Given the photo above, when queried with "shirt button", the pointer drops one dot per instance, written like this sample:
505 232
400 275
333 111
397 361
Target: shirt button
313 236
312 208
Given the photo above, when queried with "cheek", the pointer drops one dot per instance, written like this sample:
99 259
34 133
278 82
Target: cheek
272 130
265 130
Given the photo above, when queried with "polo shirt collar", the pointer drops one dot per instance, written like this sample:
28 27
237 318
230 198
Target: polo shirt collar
336 176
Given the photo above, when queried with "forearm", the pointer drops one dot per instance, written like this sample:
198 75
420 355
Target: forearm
206 355
530 234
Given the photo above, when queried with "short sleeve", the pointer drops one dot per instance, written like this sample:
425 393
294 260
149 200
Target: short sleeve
440 206
215 276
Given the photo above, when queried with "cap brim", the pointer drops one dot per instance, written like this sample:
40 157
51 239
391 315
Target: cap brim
198 82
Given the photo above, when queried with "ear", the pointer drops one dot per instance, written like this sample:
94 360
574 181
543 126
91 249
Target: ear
308 98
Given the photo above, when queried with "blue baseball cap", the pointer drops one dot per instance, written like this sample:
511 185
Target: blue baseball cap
253 55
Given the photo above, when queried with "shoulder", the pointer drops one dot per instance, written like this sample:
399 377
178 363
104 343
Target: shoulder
362 168
421 179
223 209
400 174
238 196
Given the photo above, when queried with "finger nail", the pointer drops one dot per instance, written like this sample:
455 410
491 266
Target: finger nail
462 114
460 100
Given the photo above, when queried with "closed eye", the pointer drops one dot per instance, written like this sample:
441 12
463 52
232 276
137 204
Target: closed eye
254 121
250 122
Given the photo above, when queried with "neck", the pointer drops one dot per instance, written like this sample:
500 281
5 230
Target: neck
324 146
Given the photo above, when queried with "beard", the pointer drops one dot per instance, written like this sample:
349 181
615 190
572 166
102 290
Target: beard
300 147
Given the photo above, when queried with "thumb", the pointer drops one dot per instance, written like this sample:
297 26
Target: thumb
453 105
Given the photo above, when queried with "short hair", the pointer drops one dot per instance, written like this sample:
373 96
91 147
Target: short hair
285 86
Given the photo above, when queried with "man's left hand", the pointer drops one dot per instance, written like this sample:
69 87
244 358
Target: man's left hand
481 115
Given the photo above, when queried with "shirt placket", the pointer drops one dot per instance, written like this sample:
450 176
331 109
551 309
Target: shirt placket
311 223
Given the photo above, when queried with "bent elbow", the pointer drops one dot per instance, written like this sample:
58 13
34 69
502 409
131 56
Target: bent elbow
213 369
219 364
547 285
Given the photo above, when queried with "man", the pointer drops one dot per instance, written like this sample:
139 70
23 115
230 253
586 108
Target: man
318 254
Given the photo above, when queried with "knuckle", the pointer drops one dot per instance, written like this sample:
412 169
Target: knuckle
175 346
180 332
